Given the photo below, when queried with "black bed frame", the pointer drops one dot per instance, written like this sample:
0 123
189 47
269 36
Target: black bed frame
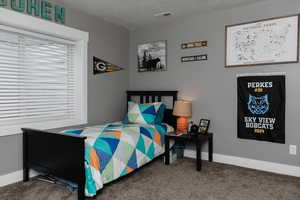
62 155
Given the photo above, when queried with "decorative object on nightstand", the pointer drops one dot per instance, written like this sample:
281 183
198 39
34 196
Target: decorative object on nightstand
204 126
182 109
194 128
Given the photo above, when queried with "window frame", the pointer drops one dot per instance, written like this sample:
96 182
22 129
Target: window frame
25 24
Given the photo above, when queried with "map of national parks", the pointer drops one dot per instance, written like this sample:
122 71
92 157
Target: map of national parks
269 41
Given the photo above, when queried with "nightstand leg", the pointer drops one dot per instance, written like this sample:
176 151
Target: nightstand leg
210 149
167 151
199 159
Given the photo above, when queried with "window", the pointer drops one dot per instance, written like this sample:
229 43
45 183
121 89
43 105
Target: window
41 81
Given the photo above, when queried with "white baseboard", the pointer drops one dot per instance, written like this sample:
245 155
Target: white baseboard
14 177
249 163
231 160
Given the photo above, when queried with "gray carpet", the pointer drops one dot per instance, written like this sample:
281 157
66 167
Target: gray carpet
179 181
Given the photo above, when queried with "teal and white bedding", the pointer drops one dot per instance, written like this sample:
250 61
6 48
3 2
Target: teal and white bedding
116 149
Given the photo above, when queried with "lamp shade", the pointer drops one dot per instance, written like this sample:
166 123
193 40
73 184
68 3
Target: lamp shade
182 108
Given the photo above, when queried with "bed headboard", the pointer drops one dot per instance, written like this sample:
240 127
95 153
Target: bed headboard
157 96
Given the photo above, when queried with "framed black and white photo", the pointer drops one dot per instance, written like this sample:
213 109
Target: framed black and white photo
263 42
152 56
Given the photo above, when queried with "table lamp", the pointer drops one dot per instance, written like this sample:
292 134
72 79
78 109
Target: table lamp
182 109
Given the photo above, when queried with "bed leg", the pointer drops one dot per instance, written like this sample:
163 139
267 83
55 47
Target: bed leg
25 174
81 193
25 157
81 175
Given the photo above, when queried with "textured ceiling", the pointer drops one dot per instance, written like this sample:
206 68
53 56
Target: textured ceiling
138 13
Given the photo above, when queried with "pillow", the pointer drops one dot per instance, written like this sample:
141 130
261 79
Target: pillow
160 113
169 127
151 113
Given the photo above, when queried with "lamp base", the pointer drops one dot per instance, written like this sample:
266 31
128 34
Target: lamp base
182 124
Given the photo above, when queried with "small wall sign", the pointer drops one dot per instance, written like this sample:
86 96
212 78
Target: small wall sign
194 45
43 9
194 58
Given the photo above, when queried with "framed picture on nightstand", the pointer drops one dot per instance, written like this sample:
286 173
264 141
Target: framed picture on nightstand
204 125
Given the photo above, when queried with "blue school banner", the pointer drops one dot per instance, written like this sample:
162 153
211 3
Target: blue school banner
261 108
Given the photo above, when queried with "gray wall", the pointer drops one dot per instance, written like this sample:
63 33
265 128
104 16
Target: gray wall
106 92
210 86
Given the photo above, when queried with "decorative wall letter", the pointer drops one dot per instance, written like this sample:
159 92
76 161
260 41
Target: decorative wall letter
20 7
60 14
37 8
3 2
33 5
46 10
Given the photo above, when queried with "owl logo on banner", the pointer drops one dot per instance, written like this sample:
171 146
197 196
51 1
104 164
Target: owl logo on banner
258 105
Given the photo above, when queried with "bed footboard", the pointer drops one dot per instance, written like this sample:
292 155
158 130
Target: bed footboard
60 155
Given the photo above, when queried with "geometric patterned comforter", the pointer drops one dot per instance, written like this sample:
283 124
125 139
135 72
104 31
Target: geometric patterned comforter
116 149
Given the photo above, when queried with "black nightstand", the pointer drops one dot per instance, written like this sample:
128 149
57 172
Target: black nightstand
197 139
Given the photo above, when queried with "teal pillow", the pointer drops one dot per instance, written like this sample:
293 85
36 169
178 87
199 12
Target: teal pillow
160 114
151 113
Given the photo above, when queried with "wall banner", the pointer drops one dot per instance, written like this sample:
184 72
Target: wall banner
261 107
100 66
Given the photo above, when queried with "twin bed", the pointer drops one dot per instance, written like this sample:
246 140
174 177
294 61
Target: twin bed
97 155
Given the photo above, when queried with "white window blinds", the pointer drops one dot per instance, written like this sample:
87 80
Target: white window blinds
37 81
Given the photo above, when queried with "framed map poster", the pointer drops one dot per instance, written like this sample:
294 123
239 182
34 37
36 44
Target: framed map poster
263 42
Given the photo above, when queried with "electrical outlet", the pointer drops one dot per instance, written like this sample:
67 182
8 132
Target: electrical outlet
293 149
